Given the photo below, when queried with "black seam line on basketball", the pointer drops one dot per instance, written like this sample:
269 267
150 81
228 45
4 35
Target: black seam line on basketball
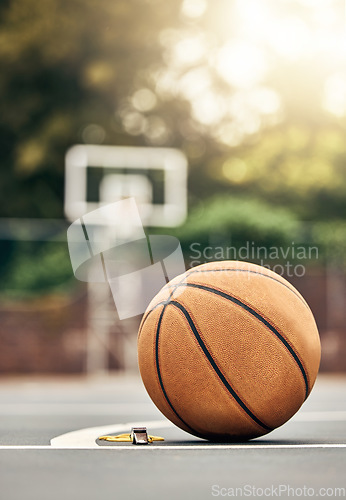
264 321
261 274
216 368
159 372
190 272
148 314
176 286
173 287
180 283
252 272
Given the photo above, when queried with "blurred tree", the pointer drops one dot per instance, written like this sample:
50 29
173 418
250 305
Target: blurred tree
294 166
66 67
258 107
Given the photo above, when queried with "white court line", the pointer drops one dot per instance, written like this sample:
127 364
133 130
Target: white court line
185 447
85 439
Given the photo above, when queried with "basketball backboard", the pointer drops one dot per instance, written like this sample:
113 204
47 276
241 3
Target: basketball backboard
156 177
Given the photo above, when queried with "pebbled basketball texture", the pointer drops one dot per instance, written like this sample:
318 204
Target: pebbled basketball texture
228 351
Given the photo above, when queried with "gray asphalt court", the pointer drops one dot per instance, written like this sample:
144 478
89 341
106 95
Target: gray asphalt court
49 447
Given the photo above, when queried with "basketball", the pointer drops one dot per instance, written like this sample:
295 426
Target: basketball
228 351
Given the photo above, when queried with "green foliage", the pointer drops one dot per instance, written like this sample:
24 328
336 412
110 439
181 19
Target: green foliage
37 268
237 222
220 223
300 168
240 219
331 239
241 228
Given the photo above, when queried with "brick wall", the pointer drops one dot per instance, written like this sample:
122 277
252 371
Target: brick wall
50 335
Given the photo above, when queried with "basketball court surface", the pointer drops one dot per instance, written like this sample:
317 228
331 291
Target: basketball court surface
50 427
49 447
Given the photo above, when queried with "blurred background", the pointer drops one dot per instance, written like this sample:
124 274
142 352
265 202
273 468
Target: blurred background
252 92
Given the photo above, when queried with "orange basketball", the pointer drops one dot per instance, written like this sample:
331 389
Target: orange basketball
228 351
